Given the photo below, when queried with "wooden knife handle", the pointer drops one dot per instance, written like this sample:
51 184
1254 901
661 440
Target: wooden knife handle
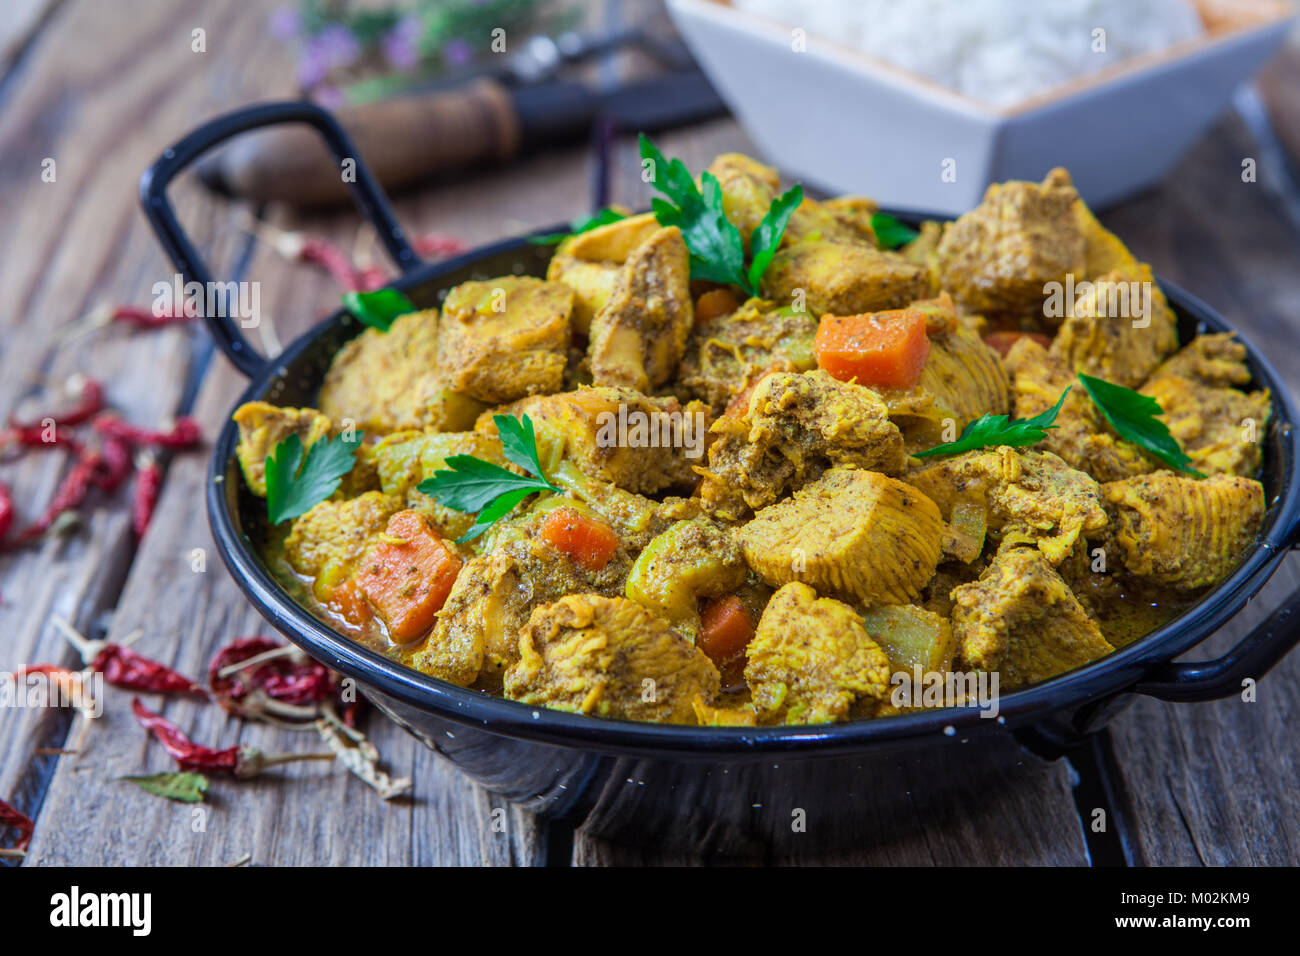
404 140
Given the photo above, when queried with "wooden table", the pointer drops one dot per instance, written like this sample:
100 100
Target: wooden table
102 94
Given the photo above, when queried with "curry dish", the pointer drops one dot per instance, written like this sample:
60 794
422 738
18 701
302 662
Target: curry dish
740 527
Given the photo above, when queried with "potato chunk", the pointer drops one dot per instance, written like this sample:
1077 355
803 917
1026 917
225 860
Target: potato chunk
912 637
1183 532
997 258
502 339
1021 620
617 435
1034 493
609 657
795 427
726 355
843 278
812 662
640 334
857 534
1119 329
262 426
387 381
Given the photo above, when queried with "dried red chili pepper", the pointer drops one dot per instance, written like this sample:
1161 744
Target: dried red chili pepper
148 485
123 667
112 465
90 402
6 510
184 434
238 761
11 817
286 676
68 496
40 436
147 318
69 681
439 245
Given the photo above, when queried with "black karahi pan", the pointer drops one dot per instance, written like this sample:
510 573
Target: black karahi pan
732 790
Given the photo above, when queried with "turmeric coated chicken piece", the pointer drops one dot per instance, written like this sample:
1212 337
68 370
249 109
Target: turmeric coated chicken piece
616 435
639 336
609 657
997 259
589 263
692 560
843 278
1183 532
859 535
1082 437
795 427
262 426
327 541
388 381
1219 426
502 339
476 637
727 354
1119 329
812 661
1007 489
1021 620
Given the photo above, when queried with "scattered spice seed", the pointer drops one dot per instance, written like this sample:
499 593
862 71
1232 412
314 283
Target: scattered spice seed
148 485
21 822
184 434
239 761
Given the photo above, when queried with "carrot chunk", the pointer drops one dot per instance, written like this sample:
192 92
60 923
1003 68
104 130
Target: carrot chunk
407 576
350 603
725 629
877 349
591 543
714 303
1002 342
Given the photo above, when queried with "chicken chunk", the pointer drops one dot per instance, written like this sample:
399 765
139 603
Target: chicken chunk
589 263
476 637
1082 437
1217 360
1182 532
405 459
692 560
262 426
1119 329
1030 492
843 278
727 354
1021 620
812 661
640 334
387 381
859 535
327 542
502 339
617 435
997 258
794 428
609 657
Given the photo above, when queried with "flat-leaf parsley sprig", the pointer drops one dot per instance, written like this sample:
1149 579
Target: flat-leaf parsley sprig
378 309
716 248
993 430
470 484
1133 416
296 481
890 232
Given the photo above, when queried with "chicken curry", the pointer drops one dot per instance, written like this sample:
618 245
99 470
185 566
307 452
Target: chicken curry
727 508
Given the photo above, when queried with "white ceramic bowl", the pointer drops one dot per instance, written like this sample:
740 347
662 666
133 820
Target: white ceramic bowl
850 123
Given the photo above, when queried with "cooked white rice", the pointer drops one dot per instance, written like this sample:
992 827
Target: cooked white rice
997 51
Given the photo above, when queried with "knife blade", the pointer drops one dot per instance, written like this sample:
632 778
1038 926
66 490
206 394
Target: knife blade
410 139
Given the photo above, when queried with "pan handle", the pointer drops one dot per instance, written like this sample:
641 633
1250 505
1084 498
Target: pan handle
1252 657
369 197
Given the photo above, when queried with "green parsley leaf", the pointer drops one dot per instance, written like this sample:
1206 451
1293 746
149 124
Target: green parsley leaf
185 787
1133 416
890 233
297 482
993 430
767 237
471 484
715 244
378 309
579 225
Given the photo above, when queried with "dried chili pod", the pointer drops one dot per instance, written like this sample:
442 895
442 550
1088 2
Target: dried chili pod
6 510
184 434
148 485
123 667
280 671
90 402
11 817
